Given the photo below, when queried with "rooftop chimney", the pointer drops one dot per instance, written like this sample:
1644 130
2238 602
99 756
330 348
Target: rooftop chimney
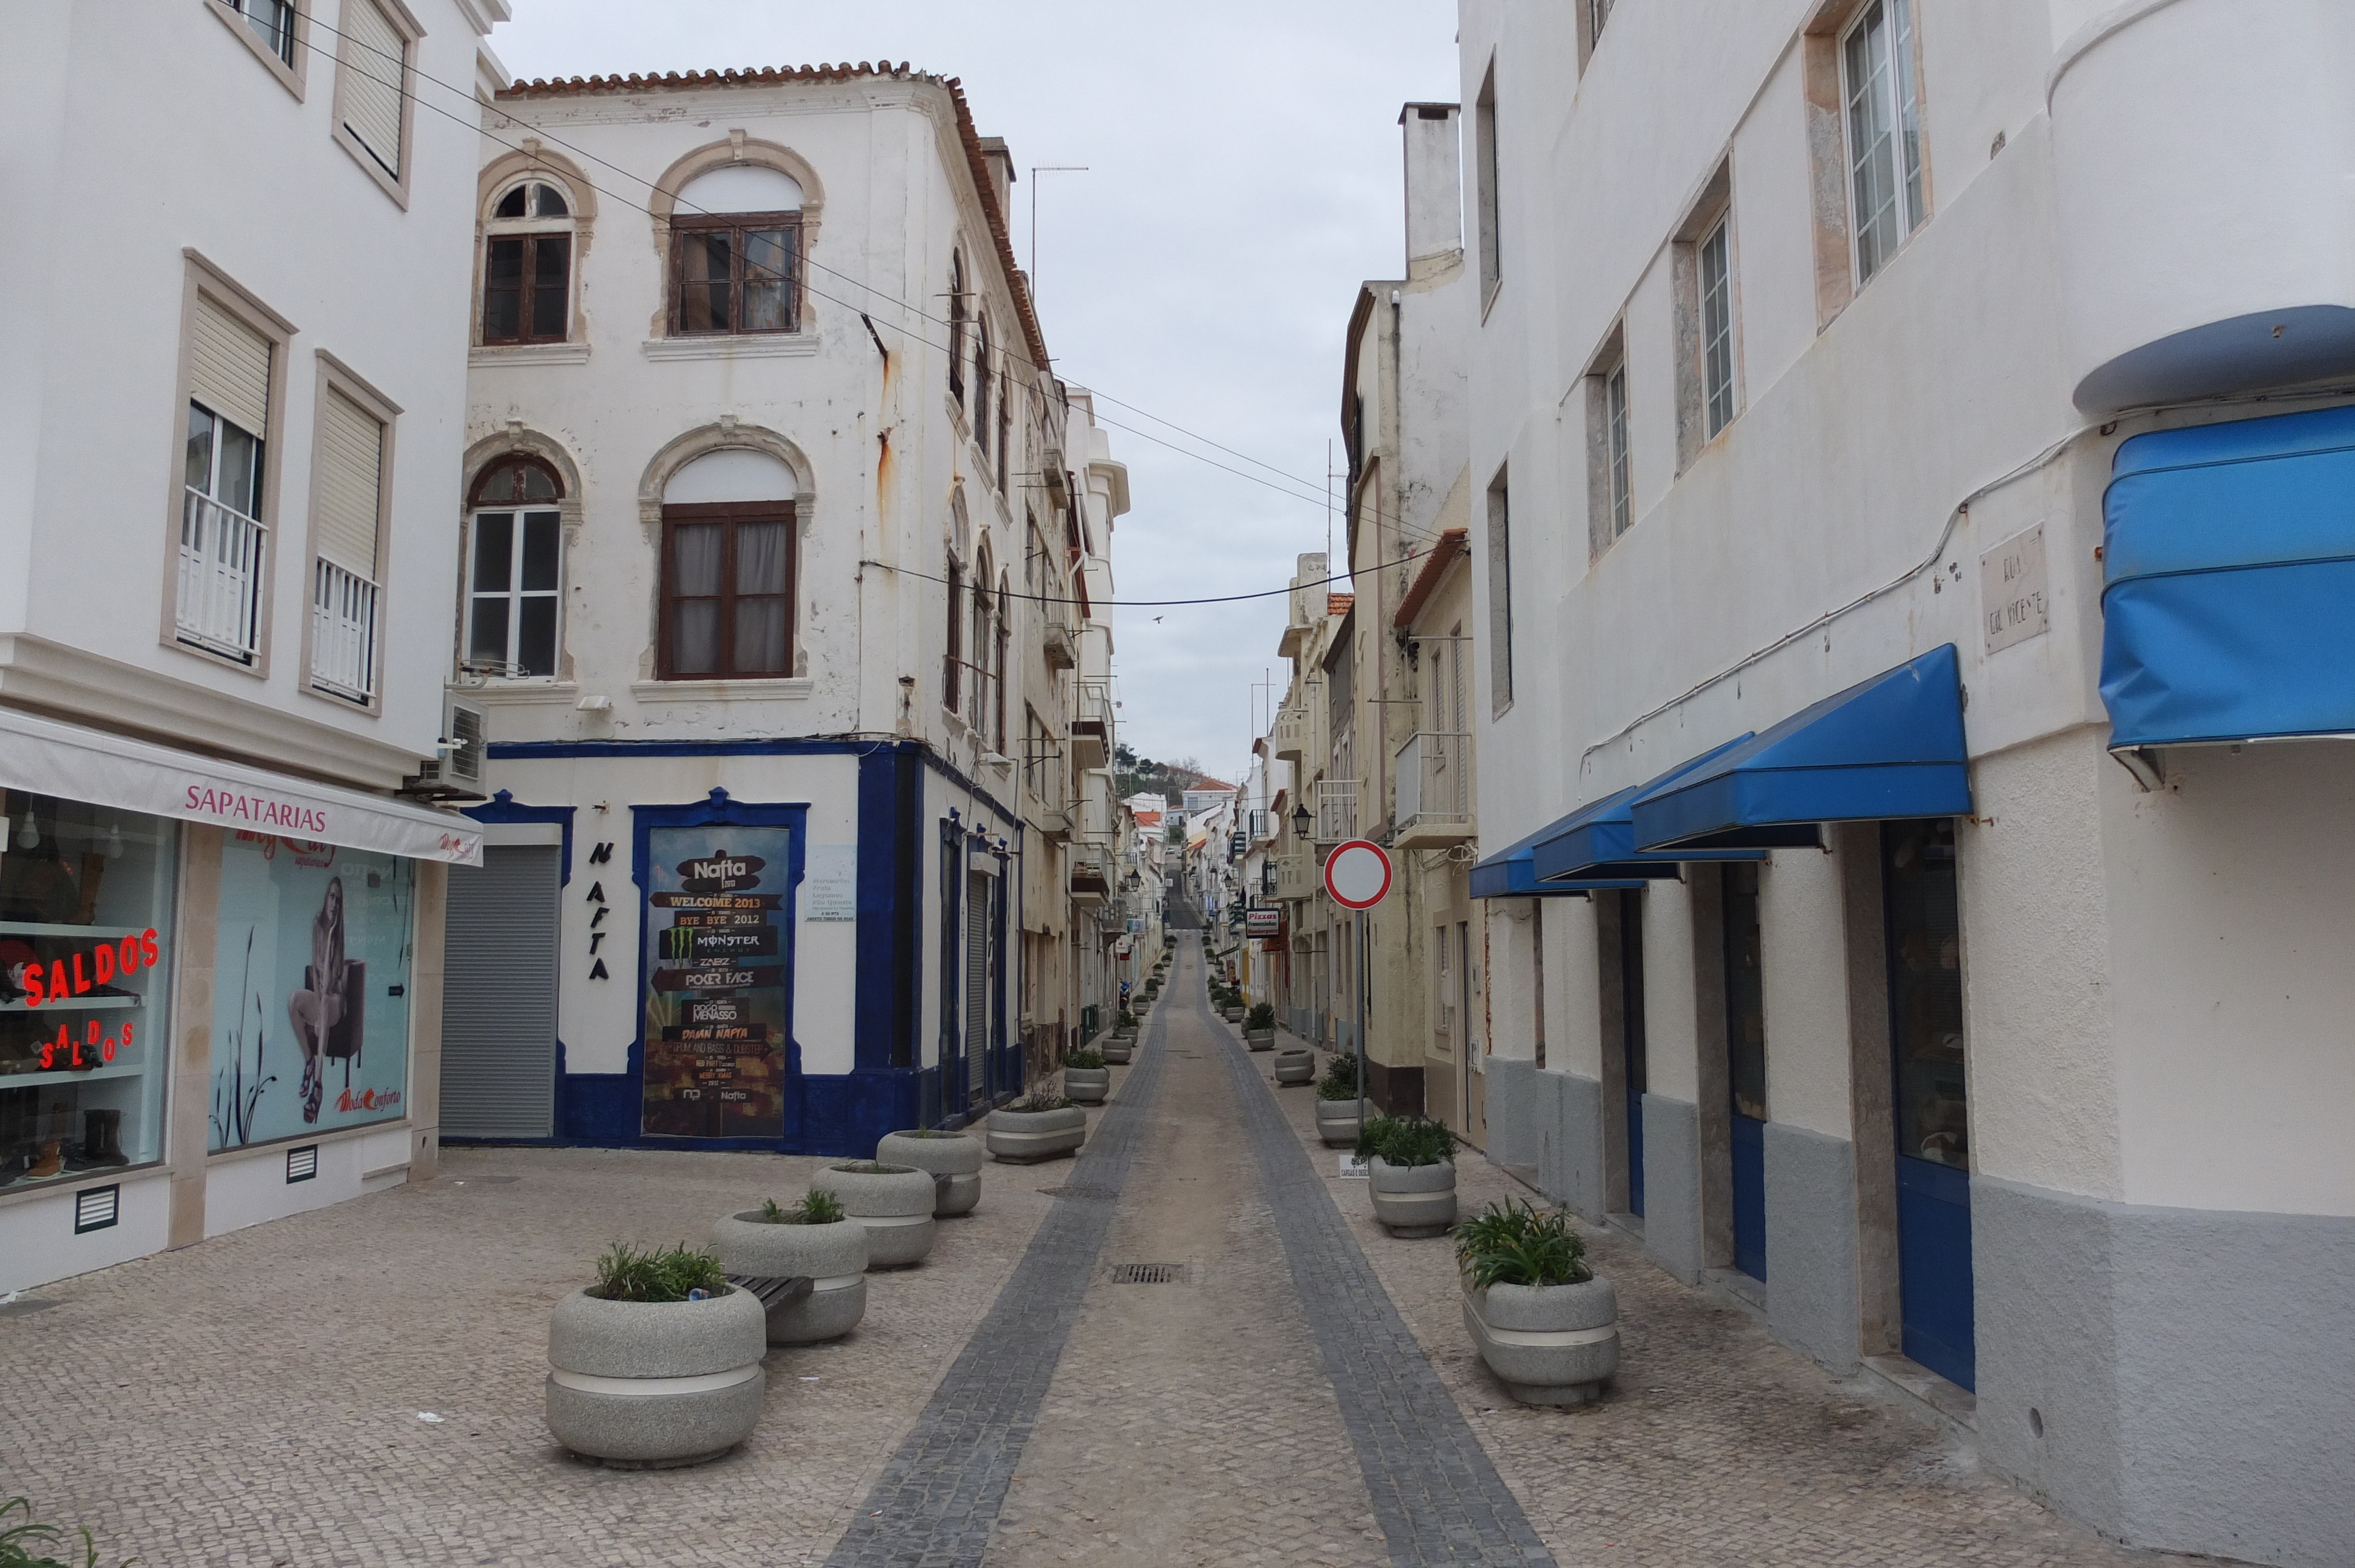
1435 184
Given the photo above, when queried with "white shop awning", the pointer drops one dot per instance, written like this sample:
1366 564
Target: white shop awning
46 758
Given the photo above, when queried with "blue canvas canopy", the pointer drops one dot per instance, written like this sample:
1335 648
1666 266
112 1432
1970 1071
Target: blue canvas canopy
1599 840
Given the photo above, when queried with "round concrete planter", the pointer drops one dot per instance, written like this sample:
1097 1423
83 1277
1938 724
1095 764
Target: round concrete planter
648 1385
1295 1066
1020 1136
894 1203
1414 1200
953 1155
1336 1122
833 1257
1547 1344
1118 1048
1259 1039
1088 1086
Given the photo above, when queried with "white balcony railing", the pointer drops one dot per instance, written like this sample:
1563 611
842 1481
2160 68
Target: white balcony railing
342 633
1336 810
1435 785
219 603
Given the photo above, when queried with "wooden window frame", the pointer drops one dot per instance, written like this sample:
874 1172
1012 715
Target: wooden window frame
729 512
684 224
529 230
956 326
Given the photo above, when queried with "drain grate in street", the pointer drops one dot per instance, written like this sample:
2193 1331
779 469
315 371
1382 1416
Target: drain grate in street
1080 1189
1148 1274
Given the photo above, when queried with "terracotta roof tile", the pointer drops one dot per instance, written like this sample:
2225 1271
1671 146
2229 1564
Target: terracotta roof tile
774 76
1340 603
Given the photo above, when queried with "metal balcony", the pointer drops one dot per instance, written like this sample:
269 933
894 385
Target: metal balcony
1434 790
342 633
1092 881
1336 811
1091 725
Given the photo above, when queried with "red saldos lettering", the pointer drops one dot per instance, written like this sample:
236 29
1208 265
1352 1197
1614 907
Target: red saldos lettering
36 993
81 984
148 951
103 960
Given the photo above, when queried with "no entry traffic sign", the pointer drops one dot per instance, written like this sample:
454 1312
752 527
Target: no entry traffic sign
1358 873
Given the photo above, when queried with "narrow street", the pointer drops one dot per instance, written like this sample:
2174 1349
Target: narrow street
1291 1388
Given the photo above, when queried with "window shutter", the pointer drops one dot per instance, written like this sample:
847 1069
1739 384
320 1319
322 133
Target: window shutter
375 58
231 368
351 478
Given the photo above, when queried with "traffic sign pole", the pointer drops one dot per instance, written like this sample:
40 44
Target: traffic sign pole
1358 876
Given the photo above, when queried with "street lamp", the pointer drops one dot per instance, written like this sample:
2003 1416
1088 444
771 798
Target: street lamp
1302 819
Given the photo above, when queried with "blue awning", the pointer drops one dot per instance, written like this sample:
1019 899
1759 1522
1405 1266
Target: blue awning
1600 839
1890 746
1507 874
2228 609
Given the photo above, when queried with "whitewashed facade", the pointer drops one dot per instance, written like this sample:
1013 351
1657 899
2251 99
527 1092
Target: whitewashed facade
225 544
1811 337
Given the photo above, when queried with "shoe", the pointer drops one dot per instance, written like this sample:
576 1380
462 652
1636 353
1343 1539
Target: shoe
311 1101
102 1138
52 1160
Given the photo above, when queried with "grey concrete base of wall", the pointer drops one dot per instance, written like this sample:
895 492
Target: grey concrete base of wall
2176 1378
1569 1171
1812 1295
1672 1220
1512 1122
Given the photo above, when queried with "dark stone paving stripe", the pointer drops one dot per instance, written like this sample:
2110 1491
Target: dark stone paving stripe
939 1495
1435 1495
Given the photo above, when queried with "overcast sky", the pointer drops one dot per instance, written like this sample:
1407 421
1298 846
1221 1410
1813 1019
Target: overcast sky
1243 168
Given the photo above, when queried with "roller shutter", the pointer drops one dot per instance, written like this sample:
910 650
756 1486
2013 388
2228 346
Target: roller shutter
375 67
499 995
231 368
351 477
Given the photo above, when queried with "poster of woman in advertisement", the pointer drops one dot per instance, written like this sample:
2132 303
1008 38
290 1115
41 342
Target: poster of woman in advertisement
315 1009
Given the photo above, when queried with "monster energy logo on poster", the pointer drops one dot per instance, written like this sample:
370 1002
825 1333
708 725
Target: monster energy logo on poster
715 988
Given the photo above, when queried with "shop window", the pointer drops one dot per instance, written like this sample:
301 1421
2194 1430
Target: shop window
1746 994
516 570
311 992
86 946
528 266
1925 991
726 591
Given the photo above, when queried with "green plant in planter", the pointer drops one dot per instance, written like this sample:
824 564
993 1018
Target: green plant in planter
1123 1022
1262 1016
820 1207
1340 1079
648 1274
1407 1141
1513 1244
16 1541
1084 1059
1036 1103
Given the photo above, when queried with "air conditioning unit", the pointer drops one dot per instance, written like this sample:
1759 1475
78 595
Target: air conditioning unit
456 772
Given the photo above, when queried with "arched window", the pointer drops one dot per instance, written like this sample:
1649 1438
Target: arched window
736 240
952 682
956 326
514 578
528 265
728 569
980 697
1005 619
981 383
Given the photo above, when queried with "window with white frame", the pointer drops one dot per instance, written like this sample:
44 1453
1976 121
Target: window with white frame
1884 132
346 512
1614 441
272 22
222 535
516 571
1716 260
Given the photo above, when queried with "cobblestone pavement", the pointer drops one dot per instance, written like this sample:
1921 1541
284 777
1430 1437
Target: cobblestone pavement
254 1401
938 1498
1718 1446
1191 1421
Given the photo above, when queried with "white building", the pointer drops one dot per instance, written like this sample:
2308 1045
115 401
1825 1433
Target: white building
1871 358
226 547
771 607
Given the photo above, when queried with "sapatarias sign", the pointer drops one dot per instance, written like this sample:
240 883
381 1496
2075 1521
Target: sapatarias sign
230 805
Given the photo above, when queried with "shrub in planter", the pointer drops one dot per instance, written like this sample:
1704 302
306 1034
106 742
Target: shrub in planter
952 1159
1413 1174
1086 1079
1039 1127
893 1202
1258 1028
1546 1323
1295 1066
1336 1102
815 1239
1123 1022
658 1363
1117 1049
